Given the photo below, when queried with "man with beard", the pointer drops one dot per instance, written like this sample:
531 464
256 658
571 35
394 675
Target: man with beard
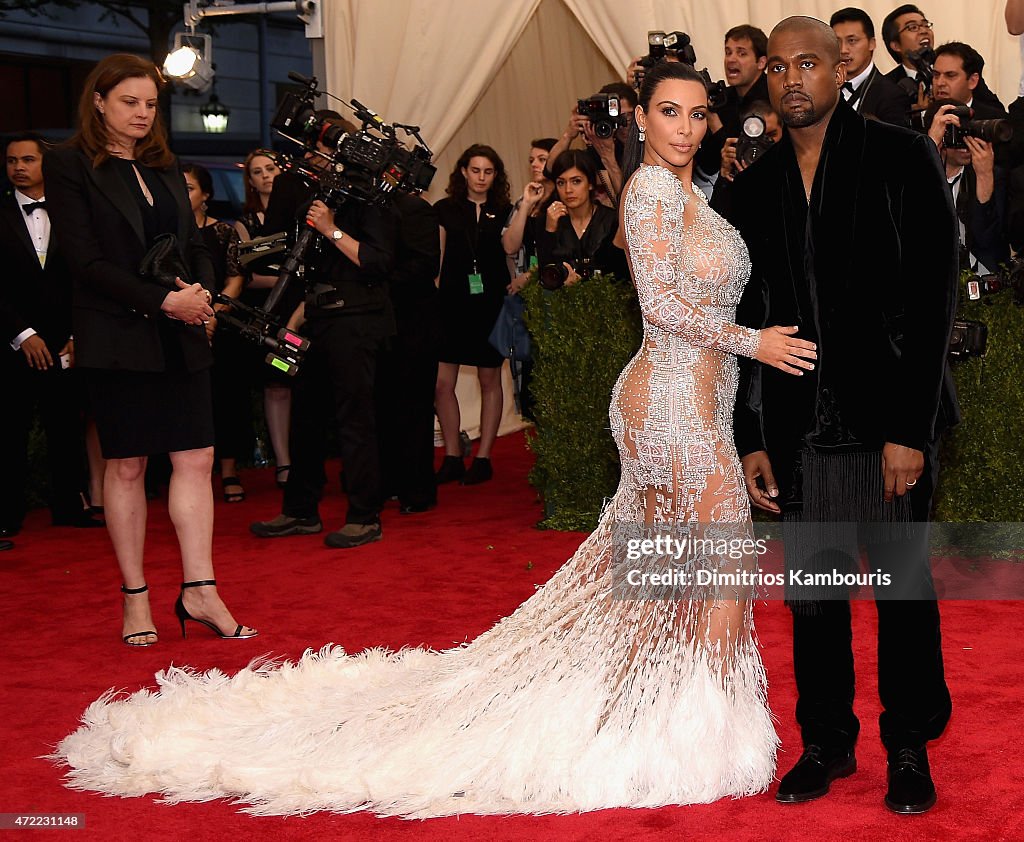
852 239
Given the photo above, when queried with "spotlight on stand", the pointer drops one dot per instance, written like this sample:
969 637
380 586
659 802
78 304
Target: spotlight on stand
189 62
215 114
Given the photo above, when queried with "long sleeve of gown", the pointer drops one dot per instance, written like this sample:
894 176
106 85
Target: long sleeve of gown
654 231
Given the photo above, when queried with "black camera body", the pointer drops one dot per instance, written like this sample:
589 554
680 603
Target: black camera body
968 339
662 45
991 131
604 113
553 276
753 141
922 60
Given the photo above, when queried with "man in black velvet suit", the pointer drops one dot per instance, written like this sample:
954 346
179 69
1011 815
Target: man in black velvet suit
37 349
852 238
866 90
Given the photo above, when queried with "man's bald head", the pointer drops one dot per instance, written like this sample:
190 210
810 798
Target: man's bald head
821 34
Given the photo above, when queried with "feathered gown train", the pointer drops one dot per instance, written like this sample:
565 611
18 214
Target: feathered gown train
581 699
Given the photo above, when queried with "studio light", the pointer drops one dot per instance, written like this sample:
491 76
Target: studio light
189 63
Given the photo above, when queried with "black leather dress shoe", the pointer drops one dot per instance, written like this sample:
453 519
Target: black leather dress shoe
6 545
813 774
415 508
911 790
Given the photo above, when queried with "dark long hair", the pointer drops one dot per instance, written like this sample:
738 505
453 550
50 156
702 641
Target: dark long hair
92 136
580 159
202 177
253 202
498 194
634 154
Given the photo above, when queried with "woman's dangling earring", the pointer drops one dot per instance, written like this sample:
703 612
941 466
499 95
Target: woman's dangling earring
643 136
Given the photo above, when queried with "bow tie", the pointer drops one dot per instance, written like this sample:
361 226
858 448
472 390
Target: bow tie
848 87
33 206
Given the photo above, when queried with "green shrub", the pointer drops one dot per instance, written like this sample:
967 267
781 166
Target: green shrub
582 337
981 477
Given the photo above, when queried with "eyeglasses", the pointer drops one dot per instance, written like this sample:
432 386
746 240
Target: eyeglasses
916 26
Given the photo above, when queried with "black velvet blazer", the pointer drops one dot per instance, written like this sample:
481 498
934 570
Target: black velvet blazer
868 270
98 225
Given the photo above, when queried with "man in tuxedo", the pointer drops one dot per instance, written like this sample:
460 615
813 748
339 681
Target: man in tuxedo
38 348
851 232
866 90
906 30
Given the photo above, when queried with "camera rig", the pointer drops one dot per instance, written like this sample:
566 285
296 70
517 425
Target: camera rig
661 46
366 166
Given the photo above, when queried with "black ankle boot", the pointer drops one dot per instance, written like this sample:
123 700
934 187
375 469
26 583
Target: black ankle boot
479 471
451 469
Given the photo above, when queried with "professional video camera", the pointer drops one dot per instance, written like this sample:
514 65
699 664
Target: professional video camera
992 131
753 141
366 166
603 111
661 46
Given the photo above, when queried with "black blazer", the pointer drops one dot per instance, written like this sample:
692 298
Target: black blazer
31 296
882 99
874 286
98 225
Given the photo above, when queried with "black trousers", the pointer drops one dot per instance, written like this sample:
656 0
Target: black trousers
58 397
911 683
336 384
406 378
233 378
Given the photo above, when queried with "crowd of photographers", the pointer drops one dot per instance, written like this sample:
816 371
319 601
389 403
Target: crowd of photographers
396 296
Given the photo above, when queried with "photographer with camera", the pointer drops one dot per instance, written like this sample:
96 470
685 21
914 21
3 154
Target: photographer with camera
348 317
578 235
602 120
746 54
909 37
977 184
761 129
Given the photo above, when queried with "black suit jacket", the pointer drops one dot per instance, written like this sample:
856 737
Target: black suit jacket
874 285
98 225
31 296
882 99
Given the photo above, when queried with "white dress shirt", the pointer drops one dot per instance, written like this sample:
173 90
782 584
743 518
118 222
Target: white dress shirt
38 224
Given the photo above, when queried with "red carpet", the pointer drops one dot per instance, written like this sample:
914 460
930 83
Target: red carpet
438 579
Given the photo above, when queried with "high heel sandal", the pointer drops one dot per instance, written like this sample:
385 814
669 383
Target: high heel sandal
183 615
282 469
232 496
128 637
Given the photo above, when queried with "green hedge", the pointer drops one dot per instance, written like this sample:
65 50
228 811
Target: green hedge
582 337
982 477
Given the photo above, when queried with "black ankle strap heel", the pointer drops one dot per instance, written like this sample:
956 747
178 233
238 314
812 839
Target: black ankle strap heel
128 638
183 615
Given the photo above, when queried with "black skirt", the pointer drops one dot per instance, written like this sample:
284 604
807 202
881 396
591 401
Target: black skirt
141 413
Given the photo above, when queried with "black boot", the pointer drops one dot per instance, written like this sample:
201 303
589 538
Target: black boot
480 471
451 469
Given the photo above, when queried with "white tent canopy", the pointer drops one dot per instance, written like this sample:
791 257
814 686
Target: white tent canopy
504 71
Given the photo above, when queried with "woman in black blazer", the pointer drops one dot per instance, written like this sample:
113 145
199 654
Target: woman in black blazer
112 190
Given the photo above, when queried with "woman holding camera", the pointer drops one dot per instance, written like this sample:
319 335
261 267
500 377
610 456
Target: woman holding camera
114 188
578 233
473 279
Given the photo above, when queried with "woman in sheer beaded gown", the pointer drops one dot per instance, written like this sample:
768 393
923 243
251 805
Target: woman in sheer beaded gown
583 698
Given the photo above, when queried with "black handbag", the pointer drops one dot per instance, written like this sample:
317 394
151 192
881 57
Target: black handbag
164 262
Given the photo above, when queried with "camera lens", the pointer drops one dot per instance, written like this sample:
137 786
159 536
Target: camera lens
553 275
604 129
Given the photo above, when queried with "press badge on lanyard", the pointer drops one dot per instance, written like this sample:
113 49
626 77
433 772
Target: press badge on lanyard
476 282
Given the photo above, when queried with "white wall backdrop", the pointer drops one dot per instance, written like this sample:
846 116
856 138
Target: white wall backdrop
504 71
